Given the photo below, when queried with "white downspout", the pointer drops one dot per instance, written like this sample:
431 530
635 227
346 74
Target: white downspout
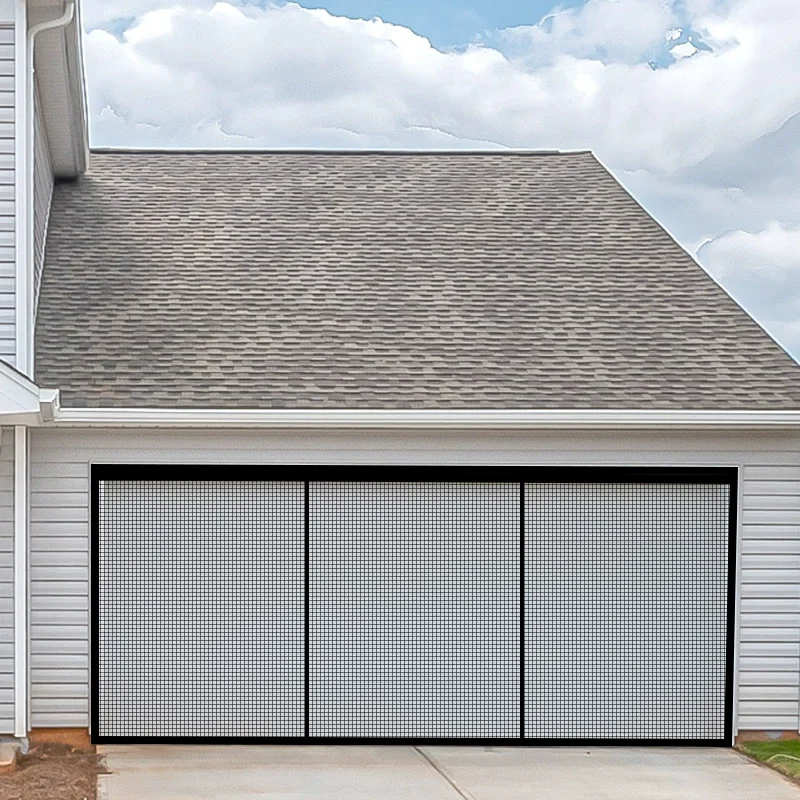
24 363
25 357
21 583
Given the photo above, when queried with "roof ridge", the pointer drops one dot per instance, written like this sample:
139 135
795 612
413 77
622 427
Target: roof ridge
330 151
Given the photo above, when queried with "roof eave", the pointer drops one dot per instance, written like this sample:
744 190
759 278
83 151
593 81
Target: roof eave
59 62
411 419
22 402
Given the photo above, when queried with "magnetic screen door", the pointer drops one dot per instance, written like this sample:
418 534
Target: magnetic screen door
412 604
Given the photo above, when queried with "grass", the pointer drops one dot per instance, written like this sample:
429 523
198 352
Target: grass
783 756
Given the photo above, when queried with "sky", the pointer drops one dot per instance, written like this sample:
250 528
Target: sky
693 104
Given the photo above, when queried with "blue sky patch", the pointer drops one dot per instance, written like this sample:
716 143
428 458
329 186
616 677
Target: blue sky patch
446 23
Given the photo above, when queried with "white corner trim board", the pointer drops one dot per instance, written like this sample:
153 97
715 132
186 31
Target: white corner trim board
21 155
521 419
20 581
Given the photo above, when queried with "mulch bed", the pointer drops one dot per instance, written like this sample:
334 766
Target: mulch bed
53 772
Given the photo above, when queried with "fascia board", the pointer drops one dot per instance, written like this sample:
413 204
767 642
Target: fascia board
428 419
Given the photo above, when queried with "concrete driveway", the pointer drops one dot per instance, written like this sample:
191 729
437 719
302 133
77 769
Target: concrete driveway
436 773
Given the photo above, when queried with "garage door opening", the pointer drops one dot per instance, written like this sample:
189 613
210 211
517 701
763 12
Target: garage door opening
412 604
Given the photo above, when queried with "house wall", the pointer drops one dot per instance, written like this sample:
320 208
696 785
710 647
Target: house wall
768 675
10 150
42 193
7 580
7 190
42 189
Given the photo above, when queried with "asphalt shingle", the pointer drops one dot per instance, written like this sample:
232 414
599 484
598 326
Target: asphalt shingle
383 280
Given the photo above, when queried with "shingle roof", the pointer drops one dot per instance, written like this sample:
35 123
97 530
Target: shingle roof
383 280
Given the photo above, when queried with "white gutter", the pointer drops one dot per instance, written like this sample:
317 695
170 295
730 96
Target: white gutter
425 419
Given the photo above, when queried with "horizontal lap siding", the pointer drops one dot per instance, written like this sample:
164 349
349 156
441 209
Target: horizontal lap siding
59 563
7 581
770 597
7 202
770 545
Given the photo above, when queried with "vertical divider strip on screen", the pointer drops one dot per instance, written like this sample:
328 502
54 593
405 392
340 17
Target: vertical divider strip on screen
522 610
307 604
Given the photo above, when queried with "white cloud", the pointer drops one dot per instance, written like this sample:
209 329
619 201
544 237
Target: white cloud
685 50
707 142
104 13
282 75
761 270
614 30
740 255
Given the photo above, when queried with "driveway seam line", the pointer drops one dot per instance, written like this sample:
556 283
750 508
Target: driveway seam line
463 793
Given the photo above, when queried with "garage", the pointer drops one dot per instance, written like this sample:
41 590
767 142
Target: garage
522 605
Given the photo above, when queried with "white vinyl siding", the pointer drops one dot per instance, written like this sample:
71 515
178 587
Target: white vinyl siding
770 598
769 673
7 202
42 194
7 581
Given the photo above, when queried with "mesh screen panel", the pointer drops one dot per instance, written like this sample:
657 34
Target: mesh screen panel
626 609
395 609
414 610
200 604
